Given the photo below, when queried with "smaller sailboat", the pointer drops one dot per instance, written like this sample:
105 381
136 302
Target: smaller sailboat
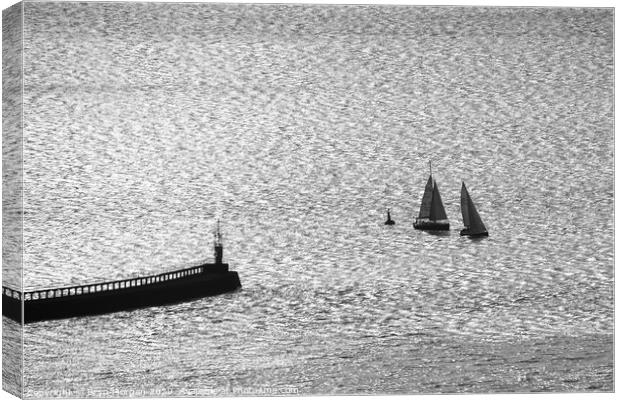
389 220
432 216
474 227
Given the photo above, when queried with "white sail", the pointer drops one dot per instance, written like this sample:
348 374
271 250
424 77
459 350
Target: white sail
425 207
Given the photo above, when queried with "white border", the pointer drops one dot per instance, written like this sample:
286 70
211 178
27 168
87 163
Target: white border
488 3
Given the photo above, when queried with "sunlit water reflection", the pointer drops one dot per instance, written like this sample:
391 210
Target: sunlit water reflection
299 126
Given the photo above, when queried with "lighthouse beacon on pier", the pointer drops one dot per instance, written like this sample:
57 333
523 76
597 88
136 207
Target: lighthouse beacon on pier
218 247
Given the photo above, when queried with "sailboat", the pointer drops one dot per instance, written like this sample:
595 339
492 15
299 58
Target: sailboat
474 227
432 216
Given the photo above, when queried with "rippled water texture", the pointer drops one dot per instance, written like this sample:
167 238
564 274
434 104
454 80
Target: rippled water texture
299 126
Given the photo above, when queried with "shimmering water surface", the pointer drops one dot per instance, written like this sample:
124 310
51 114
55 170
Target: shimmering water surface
298 126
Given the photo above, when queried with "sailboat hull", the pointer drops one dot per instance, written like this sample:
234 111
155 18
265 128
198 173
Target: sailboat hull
431 225
466 232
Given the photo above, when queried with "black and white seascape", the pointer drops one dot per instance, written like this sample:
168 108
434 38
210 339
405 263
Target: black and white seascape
298 126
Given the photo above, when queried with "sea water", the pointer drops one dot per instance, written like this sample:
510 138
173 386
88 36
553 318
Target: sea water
298 126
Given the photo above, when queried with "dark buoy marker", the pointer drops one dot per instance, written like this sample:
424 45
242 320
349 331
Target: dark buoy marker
389 220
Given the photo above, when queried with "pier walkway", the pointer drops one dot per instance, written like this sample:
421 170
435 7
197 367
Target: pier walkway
105 286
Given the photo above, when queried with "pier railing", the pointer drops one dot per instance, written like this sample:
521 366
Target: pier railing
104 286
